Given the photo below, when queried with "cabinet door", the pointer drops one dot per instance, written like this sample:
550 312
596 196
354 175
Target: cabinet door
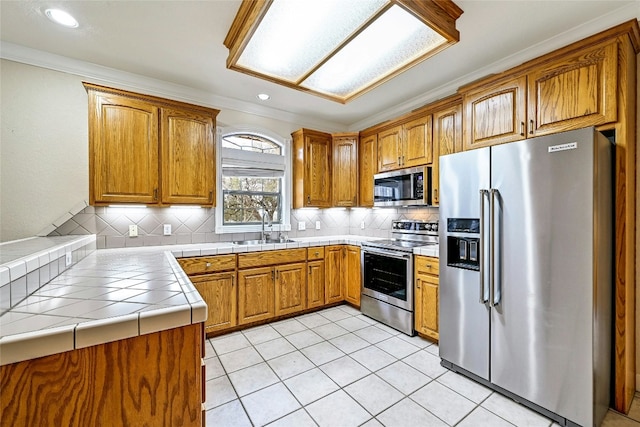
352 275
345 170
426 308
389 149
447 139
318 171
368 162
219 292
291 286
187 157
123 150
496 114
315 284
417 142
333 257
255 295
575 91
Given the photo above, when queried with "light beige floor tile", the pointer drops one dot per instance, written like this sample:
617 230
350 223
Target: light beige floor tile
350 310
240 359
349 343
403 377
322 353
514 412
274 348
288 327
253 378
269 404
468 388
614 419
208 349
344 370
304 339
213 368
313 320
261 334
426 363
290 364
337 409
373 358
416 340
444 403
397 347
372 334
330 330
335 314
434 349
228 343
387 329
480 417
219 391
407 413
352 324
374 394
310 386
373 423
634 412
299 418
229 414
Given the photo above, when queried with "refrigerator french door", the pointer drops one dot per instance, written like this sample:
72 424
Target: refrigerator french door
533 318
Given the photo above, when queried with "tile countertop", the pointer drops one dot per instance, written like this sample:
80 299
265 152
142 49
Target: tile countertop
115 294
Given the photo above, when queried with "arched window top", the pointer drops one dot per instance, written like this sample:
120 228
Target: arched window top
251 142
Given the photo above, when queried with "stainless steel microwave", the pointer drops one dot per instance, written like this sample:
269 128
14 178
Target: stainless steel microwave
405 187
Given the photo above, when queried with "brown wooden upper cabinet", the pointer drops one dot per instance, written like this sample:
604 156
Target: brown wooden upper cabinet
368 166
311 169
570 92
447 139
149 150
345 169
406 145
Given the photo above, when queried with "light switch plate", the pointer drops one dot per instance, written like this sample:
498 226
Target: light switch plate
317 225
302 226
166 229
133 230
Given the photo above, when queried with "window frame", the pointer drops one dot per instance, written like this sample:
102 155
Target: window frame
285 191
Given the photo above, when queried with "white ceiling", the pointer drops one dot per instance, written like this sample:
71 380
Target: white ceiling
174 48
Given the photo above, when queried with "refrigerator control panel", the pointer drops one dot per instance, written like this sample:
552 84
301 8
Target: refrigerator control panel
463 225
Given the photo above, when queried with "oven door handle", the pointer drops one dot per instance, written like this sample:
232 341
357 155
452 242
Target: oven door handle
393 254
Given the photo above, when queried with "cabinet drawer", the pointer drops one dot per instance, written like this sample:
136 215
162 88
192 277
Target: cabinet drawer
264 258
209 264
427 265
315 253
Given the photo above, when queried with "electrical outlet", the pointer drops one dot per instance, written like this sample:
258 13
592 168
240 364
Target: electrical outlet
68 259
362 225
133 230
302 226
167 229
317 225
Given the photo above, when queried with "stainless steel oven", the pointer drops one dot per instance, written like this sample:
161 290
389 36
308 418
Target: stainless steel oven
387 273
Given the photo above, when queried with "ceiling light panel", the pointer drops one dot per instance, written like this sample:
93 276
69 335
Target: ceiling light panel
391 43
294 36
337 49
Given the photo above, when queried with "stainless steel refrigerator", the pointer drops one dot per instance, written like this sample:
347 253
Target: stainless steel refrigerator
526 271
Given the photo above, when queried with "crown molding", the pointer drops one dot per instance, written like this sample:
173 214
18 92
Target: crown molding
138 83
572 35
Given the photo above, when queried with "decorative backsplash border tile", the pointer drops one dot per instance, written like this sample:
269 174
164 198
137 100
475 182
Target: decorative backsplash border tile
111 224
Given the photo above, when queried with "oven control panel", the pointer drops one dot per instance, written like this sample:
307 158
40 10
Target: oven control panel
415 227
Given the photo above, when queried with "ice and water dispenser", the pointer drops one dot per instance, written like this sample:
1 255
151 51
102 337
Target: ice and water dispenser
463 243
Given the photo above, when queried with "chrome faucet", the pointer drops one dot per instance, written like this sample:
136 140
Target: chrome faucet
264 236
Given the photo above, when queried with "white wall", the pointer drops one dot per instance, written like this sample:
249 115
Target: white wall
44 169
43 148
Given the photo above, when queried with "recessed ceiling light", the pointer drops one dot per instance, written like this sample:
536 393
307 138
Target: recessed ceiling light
263 96
61 17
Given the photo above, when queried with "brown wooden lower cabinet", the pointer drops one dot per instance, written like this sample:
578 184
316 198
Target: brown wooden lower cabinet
426 296
315 284
352 275
153 380
334 266
256 295
219 291
290 288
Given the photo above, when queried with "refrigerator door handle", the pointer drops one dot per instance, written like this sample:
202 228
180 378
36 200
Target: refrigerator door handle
496 286
483 291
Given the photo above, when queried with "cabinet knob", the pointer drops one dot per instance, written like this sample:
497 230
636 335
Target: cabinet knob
211 196
155 194
208 264
531 126
308 199
399 163
317 253
522 128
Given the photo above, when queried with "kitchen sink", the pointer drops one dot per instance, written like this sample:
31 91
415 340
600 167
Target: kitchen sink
262 242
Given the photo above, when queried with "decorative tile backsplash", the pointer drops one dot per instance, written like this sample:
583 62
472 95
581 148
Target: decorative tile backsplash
111 224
